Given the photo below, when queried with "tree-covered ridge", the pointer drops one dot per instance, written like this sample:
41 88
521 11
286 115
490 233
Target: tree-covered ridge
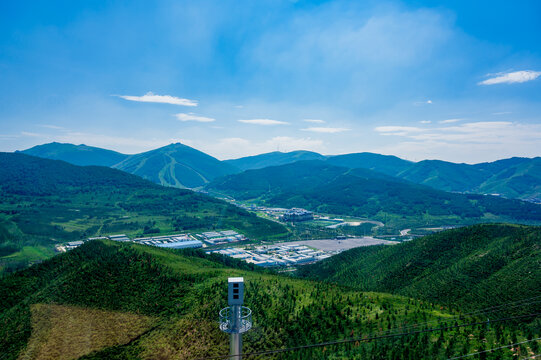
184 290
181 166
44 202
82 155
324 188
474 267
176 165
512 178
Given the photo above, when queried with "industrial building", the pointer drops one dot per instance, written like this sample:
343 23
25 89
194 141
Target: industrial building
296 214
275 255
120 237
220 237
178 241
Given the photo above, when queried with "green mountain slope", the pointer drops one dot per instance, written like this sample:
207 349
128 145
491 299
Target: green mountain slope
476 266
82 155
514 178
385 164
273 159
43 202
445 175
181 292
324 188
176 165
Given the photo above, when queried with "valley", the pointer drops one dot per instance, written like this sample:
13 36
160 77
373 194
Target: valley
385 268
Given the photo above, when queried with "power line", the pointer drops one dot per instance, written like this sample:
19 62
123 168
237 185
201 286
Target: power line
479 312
531 357
489 350
344 341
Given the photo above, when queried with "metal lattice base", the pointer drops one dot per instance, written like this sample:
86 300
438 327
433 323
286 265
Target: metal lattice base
227 322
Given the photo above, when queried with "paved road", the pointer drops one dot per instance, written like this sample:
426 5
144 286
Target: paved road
345 244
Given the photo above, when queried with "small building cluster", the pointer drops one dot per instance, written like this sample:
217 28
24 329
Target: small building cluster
275 255
296 214
220 237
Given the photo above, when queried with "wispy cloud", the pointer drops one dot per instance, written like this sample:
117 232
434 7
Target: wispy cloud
314 121
511 77
193 117
426 102
162 99
32 134
264 122
488 132
326 130
450 121
470 142
392 130
54 127
425 121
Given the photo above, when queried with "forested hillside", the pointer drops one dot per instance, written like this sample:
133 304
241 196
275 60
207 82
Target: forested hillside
43 202
176 165
169 300
474 267
317 186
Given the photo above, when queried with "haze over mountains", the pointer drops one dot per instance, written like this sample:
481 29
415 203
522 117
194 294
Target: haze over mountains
181 166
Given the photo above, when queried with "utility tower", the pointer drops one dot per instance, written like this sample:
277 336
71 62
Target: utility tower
235 319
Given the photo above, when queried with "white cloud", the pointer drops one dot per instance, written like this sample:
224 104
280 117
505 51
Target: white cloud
193 117
314 121
54 127
419 103
425 121
327 130
264 122
512 77
394 129
163 99
32 134
450 121
476 132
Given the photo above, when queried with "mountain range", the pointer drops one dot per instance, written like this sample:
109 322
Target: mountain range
181 166
324 188
44 202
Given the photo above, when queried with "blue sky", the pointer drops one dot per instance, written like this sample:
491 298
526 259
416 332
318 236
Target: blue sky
452 80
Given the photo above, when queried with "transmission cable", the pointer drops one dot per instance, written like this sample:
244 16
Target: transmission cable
490 350
479 312
350 340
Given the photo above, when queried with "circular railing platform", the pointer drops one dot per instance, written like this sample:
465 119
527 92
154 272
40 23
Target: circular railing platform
229 324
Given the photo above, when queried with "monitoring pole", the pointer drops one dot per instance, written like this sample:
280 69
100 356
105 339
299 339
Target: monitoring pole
235 319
